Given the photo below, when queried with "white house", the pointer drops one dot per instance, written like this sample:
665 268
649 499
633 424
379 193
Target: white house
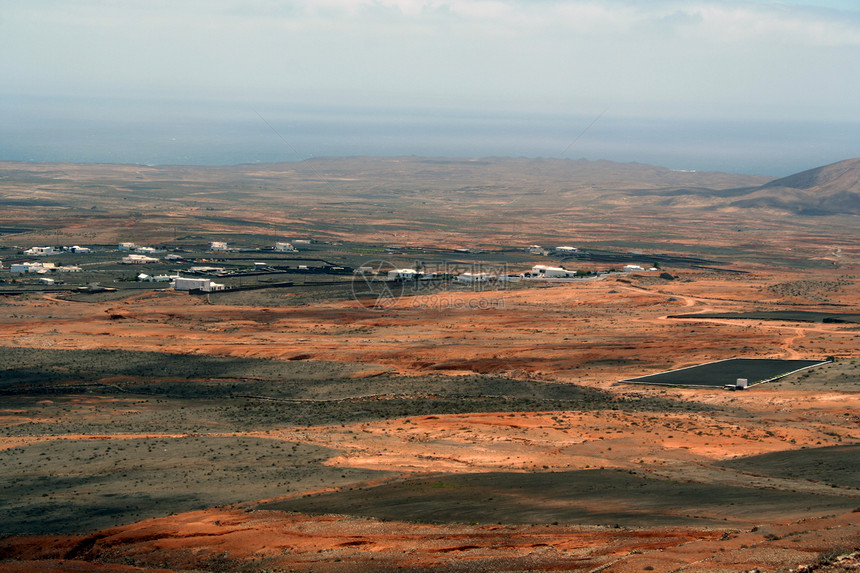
46 281
186 284
125 246
551 272
475 277
632 268
285 248
302 241
534 249
20 267
566 249
217 246
40 251
29 267
145 250
143 277
138 260
79 250
402 274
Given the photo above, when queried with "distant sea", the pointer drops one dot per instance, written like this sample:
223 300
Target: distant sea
163 132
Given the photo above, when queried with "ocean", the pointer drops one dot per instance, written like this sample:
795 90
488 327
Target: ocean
164 132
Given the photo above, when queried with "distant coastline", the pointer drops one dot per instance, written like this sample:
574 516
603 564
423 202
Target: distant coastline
168 134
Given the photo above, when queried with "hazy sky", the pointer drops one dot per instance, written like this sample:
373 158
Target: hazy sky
710 59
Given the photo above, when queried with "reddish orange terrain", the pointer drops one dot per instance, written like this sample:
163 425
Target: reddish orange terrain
471 428
589 333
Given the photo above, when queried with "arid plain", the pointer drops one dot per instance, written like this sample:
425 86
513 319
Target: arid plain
457 427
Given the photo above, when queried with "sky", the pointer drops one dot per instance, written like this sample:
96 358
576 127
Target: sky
560 78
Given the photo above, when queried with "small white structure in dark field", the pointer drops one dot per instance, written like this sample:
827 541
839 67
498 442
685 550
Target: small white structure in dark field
217 246
402 274
285 248
125 246
475 277
566 249
632 268
28 267
205 285
40 251
364 271
138 260
550 272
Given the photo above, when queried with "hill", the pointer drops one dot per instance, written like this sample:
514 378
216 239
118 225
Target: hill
828 190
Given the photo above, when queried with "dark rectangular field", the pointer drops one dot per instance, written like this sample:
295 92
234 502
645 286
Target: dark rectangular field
724 372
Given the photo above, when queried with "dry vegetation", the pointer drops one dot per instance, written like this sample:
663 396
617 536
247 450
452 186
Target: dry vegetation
458 429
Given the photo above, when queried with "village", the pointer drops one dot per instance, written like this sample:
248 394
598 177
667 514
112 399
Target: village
219 266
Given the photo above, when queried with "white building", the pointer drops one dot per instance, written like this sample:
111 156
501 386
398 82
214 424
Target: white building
402 275
632 268
551 272
217 246
143 277
125 246
364 271
69 269
566 249
138 260
206 270
28 267
46 281
205 285
145 250
79 250
40 251
302 241
285 248
535 249
475 277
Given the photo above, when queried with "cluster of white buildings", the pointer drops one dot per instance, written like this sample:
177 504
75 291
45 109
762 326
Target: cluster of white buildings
41 268
536 272
46 251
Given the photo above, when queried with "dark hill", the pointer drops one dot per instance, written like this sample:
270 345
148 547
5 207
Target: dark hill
844 174
829 190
